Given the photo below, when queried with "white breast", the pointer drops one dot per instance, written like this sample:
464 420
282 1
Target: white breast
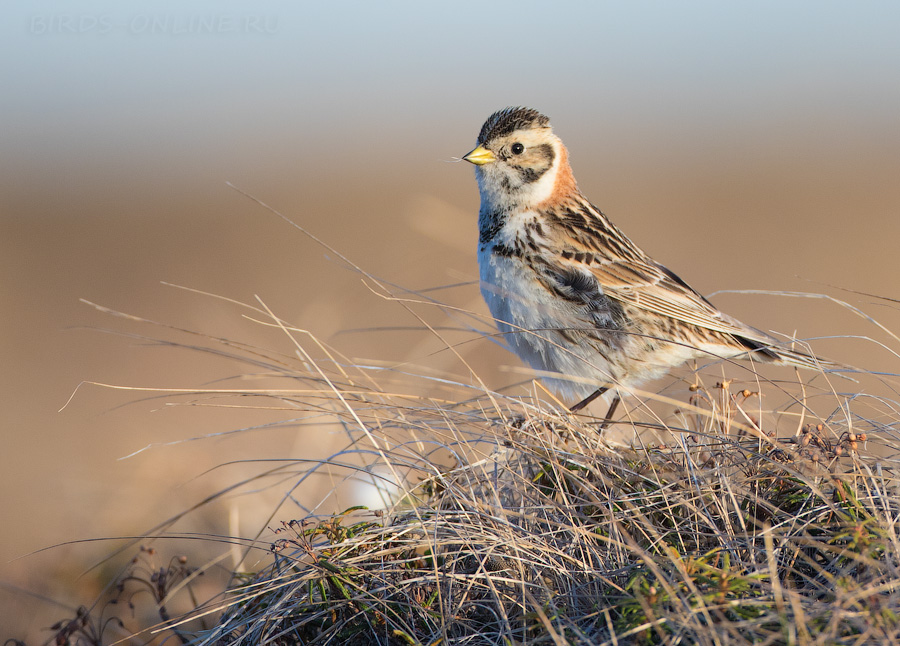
528 316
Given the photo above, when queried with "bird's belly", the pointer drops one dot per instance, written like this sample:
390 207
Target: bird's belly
551 335
539 327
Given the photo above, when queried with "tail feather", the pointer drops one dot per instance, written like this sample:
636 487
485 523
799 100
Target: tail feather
773 353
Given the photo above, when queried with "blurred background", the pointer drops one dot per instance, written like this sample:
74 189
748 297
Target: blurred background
745 145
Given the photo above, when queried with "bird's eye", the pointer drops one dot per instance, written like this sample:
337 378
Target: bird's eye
517 148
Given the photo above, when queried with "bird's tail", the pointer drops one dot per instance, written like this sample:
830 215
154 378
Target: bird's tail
790 356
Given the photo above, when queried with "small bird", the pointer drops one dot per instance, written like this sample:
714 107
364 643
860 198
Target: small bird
569 292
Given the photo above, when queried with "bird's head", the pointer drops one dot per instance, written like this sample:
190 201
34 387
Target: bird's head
519 162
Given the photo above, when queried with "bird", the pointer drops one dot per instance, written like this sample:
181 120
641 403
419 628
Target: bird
574 297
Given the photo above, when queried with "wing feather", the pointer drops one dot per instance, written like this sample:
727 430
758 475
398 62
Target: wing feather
585 239
628 275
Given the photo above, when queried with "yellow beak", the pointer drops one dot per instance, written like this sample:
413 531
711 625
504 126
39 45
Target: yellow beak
480 156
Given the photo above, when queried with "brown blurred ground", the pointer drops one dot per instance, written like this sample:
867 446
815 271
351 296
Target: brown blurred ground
780 212
747 147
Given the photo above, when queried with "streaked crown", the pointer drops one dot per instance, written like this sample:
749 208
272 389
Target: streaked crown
506 121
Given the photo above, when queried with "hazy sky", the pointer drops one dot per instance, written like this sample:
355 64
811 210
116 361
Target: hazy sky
98 78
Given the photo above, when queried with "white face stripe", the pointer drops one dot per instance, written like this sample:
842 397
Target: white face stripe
492 177
543 188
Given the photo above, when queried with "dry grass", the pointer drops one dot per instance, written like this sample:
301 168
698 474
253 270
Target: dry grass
739 511
752 511
535 531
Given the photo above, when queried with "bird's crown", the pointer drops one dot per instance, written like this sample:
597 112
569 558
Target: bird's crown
506 121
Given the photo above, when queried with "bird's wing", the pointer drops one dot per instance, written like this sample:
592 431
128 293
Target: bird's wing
628 275
650 286
585 239
590 281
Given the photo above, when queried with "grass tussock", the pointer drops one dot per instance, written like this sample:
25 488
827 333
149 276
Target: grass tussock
540 533
743 511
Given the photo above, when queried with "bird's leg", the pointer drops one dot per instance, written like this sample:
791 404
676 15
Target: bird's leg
594 395
612 409
587 400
